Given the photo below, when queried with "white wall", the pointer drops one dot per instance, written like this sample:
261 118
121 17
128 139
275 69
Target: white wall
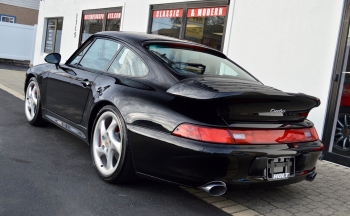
134 18
287 44
32 4
19 41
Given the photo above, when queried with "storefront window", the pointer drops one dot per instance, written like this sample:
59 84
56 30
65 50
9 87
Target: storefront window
206 26
200 22
167 22
53 35
113 21
100 20
93 23
340 143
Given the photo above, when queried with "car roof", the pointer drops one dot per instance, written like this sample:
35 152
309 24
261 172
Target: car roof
137 38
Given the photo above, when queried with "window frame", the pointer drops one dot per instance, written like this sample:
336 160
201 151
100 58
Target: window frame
132 50
9 17
55 32
206 50
104 11
90 43
185 6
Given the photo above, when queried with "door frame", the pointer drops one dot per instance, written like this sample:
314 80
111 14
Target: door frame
335 85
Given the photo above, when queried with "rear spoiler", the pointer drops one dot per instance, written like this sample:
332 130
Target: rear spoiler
195 89
245 100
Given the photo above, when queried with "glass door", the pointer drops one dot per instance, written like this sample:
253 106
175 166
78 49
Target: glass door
340 141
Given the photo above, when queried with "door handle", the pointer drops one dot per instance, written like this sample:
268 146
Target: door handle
86 83
99 90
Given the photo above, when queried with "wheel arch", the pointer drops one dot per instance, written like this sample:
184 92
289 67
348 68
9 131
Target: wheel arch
26 82
93 114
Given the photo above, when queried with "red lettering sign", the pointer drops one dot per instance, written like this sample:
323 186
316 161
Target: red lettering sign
114 15
167 13
93 16
204 12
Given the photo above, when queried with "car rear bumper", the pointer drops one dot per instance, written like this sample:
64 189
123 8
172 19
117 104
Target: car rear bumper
192 163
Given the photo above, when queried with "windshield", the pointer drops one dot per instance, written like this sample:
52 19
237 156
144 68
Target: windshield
186 61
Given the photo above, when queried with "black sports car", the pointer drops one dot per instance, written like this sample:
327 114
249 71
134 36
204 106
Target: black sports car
175 111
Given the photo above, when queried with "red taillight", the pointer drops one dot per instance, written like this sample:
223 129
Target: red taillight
257 136
305 114
245 136
205 134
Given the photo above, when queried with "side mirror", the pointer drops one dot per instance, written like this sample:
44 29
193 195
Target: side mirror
53 58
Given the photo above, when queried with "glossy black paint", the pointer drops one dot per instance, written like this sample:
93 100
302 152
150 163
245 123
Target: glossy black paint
67 91
154 105
194 163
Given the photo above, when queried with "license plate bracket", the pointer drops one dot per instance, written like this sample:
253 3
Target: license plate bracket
279 168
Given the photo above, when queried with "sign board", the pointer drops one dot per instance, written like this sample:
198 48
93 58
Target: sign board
114 15
94 16
167 13
206 12
50 36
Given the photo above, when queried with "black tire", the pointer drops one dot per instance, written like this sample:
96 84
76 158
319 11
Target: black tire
125 171
36 119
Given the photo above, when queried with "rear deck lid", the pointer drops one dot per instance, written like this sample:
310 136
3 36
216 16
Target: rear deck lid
242 100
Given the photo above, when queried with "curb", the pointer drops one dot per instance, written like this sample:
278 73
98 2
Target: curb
15 62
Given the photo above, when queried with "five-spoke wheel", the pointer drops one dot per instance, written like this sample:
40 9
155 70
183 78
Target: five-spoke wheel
107 143
109 148
32 103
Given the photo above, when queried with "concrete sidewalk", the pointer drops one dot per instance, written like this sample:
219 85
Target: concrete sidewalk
328 194
12 79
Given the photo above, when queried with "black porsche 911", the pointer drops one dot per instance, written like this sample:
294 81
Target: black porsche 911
176 111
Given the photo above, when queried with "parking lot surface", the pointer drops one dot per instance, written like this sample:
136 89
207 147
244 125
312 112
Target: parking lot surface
48 171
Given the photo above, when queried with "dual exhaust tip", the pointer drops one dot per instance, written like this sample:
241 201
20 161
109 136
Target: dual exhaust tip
215 188
311 177
218 188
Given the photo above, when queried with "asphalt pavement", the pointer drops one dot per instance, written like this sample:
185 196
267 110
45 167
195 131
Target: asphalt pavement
47 171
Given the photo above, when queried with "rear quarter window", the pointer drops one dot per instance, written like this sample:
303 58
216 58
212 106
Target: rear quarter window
190 61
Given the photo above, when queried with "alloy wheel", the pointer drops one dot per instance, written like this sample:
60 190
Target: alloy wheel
32 100
342 133
107 143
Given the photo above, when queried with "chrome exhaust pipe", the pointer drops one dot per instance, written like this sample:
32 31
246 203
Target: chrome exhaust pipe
311 177
215 188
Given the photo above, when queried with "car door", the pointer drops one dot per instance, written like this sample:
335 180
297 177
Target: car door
70 84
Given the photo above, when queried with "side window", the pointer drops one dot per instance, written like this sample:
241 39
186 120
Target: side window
226 70
128 63
77 58
100 54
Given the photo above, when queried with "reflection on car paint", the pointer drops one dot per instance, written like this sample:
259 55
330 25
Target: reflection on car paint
66 126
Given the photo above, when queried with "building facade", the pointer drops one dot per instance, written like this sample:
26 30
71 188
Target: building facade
294 46
18 11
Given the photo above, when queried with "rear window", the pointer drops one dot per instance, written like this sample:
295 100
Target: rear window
189 61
